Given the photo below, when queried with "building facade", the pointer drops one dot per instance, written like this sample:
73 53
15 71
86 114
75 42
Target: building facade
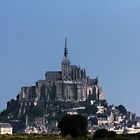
6 128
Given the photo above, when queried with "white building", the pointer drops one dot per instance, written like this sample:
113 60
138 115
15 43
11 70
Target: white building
6 128
102 121
118 131
110 118
132 130
101 109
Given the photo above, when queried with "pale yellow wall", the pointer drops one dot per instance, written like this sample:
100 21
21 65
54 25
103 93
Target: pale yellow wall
6 131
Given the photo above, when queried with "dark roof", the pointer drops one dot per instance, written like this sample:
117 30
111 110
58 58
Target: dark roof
74 66
52 72
5 125
53 75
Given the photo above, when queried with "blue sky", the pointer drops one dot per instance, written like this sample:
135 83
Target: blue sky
103 37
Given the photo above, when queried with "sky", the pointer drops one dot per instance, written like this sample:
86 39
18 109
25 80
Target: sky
103 36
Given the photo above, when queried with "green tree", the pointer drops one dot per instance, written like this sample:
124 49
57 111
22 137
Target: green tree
35 111
122 109
94 121
74 125
91 109
104 103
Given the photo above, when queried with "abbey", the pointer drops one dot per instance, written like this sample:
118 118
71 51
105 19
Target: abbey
69 84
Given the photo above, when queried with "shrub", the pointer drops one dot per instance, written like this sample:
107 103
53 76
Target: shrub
103 133
100 133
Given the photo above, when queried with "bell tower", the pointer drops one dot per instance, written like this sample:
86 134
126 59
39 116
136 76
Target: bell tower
65 64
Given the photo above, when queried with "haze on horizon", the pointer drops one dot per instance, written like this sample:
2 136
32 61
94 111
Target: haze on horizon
103 37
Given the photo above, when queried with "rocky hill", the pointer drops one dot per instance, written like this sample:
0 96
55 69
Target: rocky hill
38 108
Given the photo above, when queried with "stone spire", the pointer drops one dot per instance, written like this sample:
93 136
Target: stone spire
66 49
66 57
65 63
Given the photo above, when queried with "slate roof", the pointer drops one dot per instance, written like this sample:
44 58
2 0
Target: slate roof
5 125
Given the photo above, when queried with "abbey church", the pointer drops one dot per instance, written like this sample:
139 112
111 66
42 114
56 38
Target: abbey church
69 84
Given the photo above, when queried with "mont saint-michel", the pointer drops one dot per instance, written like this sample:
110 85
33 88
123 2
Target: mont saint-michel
38 108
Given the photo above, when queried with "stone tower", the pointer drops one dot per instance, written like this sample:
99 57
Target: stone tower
66 64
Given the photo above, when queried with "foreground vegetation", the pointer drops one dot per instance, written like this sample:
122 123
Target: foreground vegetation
58 137
38 137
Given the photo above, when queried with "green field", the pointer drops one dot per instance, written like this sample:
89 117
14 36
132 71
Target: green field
58 137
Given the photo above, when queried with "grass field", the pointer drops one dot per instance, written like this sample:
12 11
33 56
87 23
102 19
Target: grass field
58 137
